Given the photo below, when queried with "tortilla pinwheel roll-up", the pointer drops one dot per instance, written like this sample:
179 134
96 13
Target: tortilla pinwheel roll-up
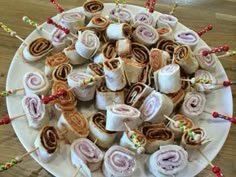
145 34
169 160
99 22
47 143
96 70
87 44
61 72
165 33
155 106
189 38
193 105
119 114
37 49
74 124
205 62
85 150
177 97
92 8
106 97
158 58
137 93
144 17
123 47
146 75
35 111
53 61
119 162
170 73
73 56
58 39
156 136
72 20
166 20
140 53
116 31
122 14
183 56
182 120
36 82
114 74
83 91
167 45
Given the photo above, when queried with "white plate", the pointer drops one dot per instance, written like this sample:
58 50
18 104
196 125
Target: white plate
61 166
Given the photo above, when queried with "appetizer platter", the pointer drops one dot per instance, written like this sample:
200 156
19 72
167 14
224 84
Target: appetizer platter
112 89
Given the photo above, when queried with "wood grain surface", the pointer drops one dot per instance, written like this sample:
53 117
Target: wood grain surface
192 13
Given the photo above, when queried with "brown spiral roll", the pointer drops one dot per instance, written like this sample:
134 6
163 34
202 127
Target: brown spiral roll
140 53
99 21
167 45
163 30
93 6
109 50
61 72
56 59
67 102
146 75
112 64
96 69
49 139
100 121
40 46
177 97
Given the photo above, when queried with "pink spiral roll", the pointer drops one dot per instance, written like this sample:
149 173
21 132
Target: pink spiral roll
119 161
144 17
87 151
167 20
58 39
189 38
123 14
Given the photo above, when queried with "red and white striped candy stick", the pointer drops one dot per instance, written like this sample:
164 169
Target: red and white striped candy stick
59 8
204 30
147 4
6 120
223 48
152 6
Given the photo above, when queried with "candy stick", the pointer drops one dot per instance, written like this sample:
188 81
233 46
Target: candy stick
173 9
48 99
228 54
205 81
6 93
204 30
214 168
223 48
66 30
217 115
7 119
11 32
152 7
59 8
147 4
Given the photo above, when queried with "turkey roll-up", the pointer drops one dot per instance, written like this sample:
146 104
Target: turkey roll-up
116 31
155 106
167 45
61 72
167 20
92 8
73 56
158 58
189 38
58 39
97 71
123 47
122 14
119 114
165 33
144 17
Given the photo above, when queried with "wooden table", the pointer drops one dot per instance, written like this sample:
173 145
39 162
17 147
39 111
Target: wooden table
196 15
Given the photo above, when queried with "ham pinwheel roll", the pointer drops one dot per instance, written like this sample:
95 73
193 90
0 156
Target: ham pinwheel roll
74 124
47 143
205 75
53 61
117 31
118 114
98 132
108 52
156 136
145 35
183 56
106 97
158 58
35 111
177 97
189 38
144 17
99 22
155 106
72 20
61 72
123 47
87 44
66 102
165 33
92 8
114 72
96 70
182 120
122 14
206 62
167 45
137 93
170 73
169 160
119 162
73 56
58 39
36 82
193 105
167 20
85 150
140 53
37 49
83 91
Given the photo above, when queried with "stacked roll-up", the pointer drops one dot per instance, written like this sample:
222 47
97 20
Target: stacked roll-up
61 72
139 53
119 161
121 14
108 52
165 33
116 31
155 106
144 17
97 71
92 8
73 56
98 132
158 58
183 56
58 39
119 114
37 49
36 82
189 38
99 22
75 125
167 45
167 20
123 47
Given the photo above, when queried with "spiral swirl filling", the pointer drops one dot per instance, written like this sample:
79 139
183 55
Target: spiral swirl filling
99 120
188 37
97 68
56 59
134 93
34 106
144 17
121 109
100 21
122 13
189 140
167 45
153 133
140 53
40 46
112 64
35 81
194 103
61 71
181 53
182 119
72 17
93 6
146 32
109 50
